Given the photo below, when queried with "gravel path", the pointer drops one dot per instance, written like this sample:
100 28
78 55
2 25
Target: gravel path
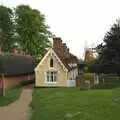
20 109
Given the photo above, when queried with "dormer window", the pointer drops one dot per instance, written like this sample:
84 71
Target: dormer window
51 62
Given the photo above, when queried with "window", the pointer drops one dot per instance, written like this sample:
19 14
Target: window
51 62
51 76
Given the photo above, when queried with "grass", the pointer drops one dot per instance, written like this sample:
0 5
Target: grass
73 104
10 96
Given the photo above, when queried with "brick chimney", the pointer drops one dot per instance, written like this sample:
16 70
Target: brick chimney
68 50
57 45
60 48
57 42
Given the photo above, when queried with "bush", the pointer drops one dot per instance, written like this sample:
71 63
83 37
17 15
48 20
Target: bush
85 80
88 76
105 86
26 82
83 88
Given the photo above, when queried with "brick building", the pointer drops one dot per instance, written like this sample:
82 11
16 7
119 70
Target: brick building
14 69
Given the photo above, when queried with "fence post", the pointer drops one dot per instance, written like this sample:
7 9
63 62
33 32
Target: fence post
98 76
3 84
94 79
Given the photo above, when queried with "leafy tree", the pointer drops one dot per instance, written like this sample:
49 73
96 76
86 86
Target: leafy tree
32 32
109 52
6 28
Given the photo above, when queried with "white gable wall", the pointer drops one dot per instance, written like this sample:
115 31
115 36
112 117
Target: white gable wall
44 66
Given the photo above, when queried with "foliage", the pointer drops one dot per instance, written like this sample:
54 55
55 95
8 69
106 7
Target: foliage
32 32
27 82
74 104
26 28
88 76
109 52
106 86
86 80
6 28
80 61
10 96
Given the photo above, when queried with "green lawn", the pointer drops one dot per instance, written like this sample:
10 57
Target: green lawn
10 96
73 104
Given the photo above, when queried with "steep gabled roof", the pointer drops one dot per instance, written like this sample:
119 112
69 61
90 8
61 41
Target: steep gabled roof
61 52
16 64
68 60
57 57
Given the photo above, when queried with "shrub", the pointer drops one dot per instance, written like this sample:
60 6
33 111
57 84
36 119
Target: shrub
26 82
85 80
105 86
87 76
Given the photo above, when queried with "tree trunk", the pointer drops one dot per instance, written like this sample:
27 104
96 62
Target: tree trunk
3 85
0 50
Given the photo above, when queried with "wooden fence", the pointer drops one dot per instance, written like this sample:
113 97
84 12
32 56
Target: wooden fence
98 81
85 81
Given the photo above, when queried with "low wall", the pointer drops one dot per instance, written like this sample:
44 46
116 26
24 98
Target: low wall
11 81
71 83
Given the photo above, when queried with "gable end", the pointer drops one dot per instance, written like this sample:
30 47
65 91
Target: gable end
50 52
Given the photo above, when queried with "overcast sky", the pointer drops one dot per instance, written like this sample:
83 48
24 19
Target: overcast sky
76 21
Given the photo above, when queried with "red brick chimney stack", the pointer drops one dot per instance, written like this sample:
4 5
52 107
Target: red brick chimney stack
68 50
60 48
65 49
57 42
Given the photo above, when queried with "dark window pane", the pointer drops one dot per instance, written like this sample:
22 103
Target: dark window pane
55 76
52 77
51 62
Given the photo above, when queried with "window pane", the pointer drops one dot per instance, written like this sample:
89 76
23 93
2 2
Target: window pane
51 76
51 62
55 76
47 76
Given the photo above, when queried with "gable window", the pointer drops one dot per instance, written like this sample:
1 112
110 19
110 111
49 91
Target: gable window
52 76
51 62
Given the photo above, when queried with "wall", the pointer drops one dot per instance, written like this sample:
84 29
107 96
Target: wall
40 80
71 83
11 81
73 74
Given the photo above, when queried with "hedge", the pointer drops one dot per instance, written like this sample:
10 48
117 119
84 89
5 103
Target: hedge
105 86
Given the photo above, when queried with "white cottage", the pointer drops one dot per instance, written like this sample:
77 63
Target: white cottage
58 68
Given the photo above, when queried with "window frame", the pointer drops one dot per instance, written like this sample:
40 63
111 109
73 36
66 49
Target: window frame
53 75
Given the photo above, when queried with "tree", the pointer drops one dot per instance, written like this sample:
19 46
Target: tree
32 32
6 28
109 52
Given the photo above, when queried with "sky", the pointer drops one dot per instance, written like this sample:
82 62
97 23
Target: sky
80 23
